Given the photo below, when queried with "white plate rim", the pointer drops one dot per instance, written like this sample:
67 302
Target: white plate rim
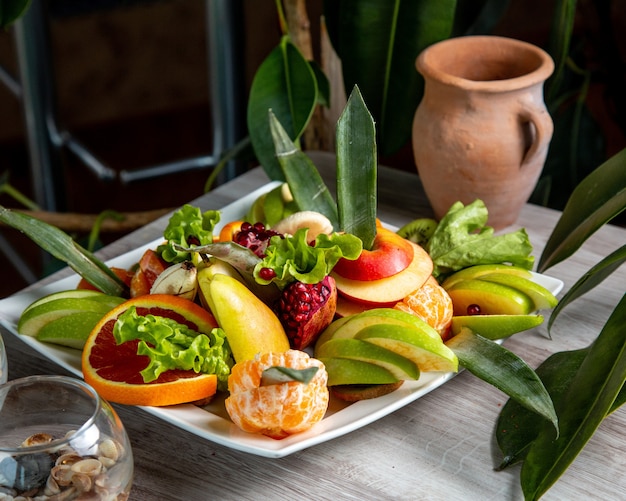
208 422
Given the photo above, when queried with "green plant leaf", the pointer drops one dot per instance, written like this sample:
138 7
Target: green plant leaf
503 369
357 165
285 83
590 396
517 426
596 200
61 246
11 10
305 183
559 45
589 280
378 42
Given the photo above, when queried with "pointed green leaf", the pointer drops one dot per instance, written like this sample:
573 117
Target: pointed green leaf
596 200
517 426
279 375
503 369
589 280
590 396
559 45
378 42
286 84
307 186
61 246
357 170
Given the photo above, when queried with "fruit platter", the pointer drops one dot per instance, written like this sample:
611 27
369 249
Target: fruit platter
211 421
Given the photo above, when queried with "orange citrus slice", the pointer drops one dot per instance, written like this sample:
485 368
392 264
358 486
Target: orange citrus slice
432 304
227 233
114 370
276 410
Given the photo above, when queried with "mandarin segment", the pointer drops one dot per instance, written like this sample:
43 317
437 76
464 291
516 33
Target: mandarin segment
432 304
276 410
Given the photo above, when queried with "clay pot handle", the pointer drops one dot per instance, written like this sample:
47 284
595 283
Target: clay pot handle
542 122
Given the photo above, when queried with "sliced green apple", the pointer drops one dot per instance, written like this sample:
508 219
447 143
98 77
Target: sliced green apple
33 319
495 326
428 353
542 297
482 269
390 290
349 327
399 366
73 294
343 371
70 330
490 297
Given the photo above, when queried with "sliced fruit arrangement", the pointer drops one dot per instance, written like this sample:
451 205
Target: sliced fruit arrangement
156 349
382 346
66 317
496 290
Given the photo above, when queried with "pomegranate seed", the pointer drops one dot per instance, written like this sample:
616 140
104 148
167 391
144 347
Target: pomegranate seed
267 273
473 309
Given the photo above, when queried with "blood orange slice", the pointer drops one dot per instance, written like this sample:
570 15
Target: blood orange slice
114 370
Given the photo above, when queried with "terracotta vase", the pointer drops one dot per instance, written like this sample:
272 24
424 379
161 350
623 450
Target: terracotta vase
482 129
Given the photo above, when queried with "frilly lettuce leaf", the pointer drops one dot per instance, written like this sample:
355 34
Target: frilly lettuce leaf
292 258
171 345
186 227
462 239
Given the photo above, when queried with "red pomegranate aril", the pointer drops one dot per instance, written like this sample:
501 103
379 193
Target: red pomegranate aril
267 273
473 309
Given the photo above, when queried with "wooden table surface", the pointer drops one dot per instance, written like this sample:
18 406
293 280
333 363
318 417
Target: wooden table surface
440 447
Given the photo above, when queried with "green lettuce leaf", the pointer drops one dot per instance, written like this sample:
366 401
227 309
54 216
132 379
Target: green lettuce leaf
186 227
292 258
171 345
463 239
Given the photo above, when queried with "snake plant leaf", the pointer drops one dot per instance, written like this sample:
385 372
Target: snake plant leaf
285 83
12 10
378 42
517 426
357 170
589 280
61 246
503 369
596 200
305 183
581 409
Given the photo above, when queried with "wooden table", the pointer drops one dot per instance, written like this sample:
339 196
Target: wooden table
441 447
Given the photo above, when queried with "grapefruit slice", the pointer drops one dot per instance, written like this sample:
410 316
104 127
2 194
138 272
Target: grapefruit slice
114 370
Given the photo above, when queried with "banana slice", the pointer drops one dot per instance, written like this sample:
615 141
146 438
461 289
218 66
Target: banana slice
316 223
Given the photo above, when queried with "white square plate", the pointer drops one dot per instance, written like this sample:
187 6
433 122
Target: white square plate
212 422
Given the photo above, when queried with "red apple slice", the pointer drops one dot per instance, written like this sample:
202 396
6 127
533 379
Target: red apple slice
388 291
390 255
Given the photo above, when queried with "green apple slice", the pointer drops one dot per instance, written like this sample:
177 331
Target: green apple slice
347 371
541 296
478 270
427 353
70 330
35 318
492 298
495 326
399 366
348 327
69 294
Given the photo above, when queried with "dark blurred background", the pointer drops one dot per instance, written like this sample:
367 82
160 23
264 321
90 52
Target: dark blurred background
132 84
